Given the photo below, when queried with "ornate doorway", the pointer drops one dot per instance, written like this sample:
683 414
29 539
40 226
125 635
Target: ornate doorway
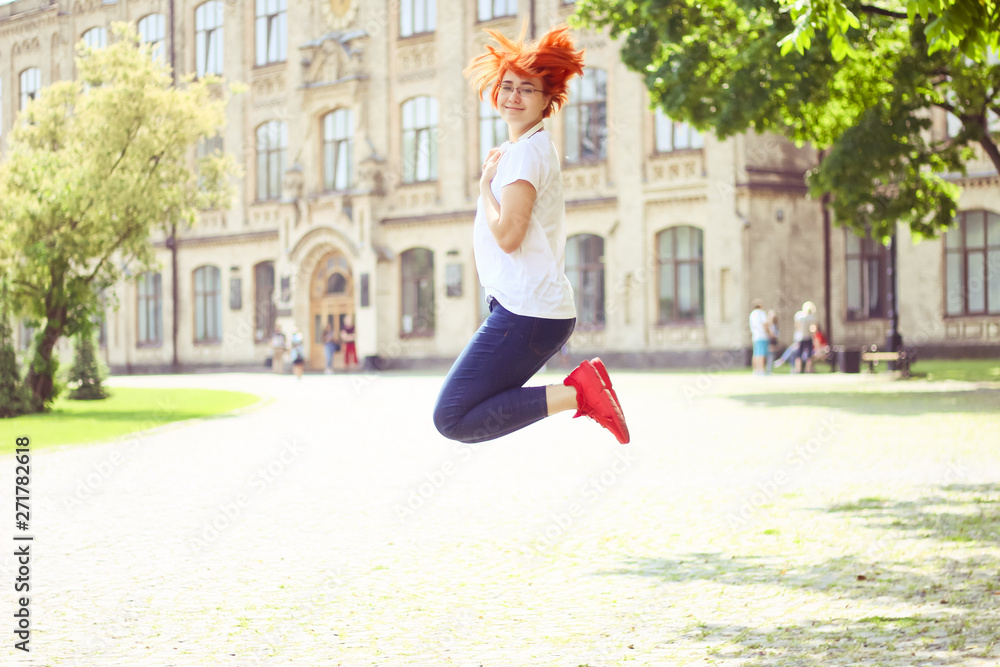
331 300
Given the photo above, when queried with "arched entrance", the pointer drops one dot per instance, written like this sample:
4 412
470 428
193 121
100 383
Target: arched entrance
331 300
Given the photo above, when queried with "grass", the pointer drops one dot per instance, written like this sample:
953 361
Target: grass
127 410
967 370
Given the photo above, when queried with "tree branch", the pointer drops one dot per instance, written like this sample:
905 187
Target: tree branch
871 9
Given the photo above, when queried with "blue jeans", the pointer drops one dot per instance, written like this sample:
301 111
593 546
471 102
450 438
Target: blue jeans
484 396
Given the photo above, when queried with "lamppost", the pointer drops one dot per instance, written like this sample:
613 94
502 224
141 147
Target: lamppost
894 340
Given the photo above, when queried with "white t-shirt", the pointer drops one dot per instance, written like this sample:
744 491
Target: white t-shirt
758 324
803 321
531 281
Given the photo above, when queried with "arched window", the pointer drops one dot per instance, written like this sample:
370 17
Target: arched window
208 43
207 305
417 290
149 309
271 31
416 17
972 264
338 131
681 285
336 283
31 83
263 287
492 129
585 270
96 38
420 120
272 143
586 117
675 135
152 30
866 284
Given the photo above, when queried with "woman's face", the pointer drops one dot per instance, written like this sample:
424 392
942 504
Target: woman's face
521 100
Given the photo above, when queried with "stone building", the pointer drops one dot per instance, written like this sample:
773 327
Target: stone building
361 144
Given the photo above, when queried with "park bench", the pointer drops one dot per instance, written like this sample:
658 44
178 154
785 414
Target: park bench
902 359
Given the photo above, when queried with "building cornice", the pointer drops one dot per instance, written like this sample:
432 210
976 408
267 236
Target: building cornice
28 22
222 239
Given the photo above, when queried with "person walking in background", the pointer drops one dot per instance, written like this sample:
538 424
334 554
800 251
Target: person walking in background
772 340
298 355
804 321
278 350
519 239
758 336
348 338
330 347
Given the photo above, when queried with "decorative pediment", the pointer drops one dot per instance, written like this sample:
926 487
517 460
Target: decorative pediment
333 57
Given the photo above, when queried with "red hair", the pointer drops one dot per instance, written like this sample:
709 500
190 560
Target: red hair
553 59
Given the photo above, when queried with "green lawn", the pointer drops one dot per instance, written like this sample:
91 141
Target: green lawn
969 370
126 411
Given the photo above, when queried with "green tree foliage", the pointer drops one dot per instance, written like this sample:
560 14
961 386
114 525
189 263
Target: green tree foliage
866 100
93 167
87 372
14 399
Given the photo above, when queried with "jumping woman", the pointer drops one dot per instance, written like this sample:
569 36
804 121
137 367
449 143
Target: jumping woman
519 239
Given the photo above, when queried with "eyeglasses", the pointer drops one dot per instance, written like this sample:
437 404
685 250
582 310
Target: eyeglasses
524 91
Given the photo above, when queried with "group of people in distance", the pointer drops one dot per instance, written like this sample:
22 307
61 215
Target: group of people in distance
808 341
332 343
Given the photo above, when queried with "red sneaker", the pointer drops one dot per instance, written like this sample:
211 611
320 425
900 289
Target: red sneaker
595 401
603 372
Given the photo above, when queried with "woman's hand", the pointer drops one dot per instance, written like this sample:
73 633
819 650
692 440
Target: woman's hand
490 166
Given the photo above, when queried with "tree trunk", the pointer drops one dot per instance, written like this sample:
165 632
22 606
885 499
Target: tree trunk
40 378
990 147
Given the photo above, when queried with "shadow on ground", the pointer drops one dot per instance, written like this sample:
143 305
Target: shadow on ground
883 402
947 589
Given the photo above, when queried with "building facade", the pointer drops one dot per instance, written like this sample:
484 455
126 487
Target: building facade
361 144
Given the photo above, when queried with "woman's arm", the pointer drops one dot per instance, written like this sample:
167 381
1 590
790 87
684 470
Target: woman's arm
508 218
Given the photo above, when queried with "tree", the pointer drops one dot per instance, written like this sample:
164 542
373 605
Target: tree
94 167
87 372
13 394
718 64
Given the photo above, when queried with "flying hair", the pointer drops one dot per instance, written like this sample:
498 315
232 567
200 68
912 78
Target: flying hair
553 59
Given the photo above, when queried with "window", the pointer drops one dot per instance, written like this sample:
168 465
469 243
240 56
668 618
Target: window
31 83
149 309
152 30
972 264
263 282
272 143
96 38
272 32
207 305
681 270
208 44
866 285
417 292
492 129
586 117
673 135
585 270
337 144
493 9
416 17
420 118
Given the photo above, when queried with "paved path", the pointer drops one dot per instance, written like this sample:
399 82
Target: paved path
333 526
